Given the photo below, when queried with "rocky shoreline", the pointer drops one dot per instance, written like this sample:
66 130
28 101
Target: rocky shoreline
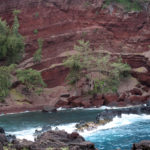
55 140
50 140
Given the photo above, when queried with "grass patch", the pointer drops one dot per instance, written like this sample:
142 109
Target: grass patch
127 4
17 96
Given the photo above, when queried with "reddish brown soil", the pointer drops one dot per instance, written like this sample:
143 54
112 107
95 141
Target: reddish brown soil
60 23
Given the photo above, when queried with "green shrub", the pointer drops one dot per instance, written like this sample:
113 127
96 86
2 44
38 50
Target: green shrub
31 79
11 42
35 31
5 80
84 63
128 5
38 54
36 15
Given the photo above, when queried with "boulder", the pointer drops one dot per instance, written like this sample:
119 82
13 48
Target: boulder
76 103
11 138
3 139
143 145
86 103
98 101
109 98
62 103
59 139
49 109
122 97
136 91
137 99
1 146
2 130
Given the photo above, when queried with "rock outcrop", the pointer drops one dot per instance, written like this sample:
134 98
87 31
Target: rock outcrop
143 145
56 140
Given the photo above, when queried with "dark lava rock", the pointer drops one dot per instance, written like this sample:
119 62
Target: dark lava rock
56 140
3 139
59 139
1 146
11 138
143 145
2 130
49 109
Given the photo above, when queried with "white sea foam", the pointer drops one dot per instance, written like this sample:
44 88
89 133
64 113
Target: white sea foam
116 122
96 108
67 127
25 134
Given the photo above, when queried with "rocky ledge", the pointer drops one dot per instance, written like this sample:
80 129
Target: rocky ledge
143 145
108 115
50 140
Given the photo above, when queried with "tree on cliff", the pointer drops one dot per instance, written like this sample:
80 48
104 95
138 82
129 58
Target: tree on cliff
100 71
11 50
38 54
11 41
5 80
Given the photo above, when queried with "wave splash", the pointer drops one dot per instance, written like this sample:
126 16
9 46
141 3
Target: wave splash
116 122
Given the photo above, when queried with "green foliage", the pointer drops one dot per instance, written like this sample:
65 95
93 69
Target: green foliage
36 15
11 42
99 69
38 54
87 4
35 31
128 5
16 12
31 79
5 80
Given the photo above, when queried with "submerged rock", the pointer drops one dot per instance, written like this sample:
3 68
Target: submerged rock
2 130
56 140
143 145
49 109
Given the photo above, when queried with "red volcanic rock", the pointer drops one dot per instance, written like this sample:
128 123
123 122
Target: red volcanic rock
136 91
86 103
137 99
55 77
145 88
110 98
144 78
73 135
76 103
122 97
98 101
62 103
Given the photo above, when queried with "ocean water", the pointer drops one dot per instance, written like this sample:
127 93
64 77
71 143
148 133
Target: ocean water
121 133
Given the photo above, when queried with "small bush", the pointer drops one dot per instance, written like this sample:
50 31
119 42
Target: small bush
84 64
38 54
5 80
35 31
127 4
36 15
11 42
31 79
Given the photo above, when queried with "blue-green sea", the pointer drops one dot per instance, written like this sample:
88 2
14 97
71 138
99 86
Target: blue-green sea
121 133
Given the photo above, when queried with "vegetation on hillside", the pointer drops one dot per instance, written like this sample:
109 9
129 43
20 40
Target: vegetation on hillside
5 80
130 5
11 51
38 54
11 41
31 79
102 73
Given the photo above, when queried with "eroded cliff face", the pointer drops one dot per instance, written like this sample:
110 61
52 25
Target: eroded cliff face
60 23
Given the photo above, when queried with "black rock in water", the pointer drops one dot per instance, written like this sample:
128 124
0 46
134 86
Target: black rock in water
2 130
143 145
11 138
